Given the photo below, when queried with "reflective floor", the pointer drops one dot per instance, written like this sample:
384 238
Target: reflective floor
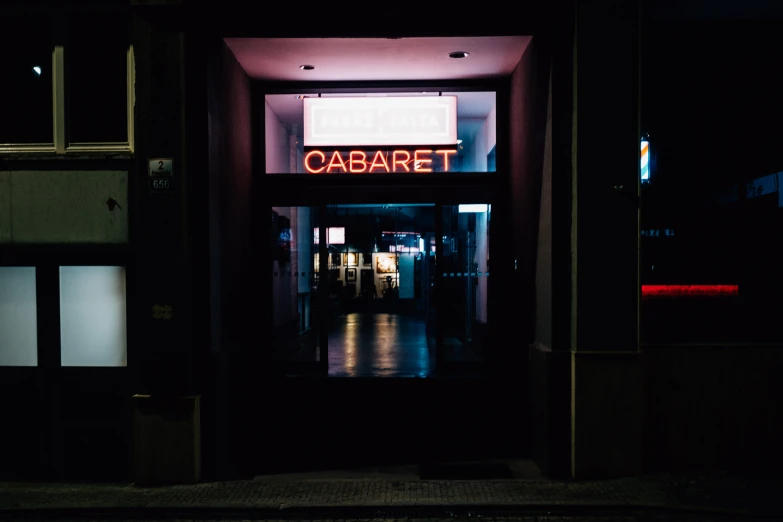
380 345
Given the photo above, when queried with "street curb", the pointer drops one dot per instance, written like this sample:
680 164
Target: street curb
314 512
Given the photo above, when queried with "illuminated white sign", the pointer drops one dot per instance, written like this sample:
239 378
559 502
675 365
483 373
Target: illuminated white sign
334 236
425 120
474 208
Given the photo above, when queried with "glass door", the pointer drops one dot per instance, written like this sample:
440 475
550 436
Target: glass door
465 271
380 308
295 275
369 300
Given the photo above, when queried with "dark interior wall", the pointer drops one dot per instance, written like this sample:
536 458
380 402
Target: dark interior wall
230 184
713 408
549 381
527 130
528 108
540 353
543 330
230 177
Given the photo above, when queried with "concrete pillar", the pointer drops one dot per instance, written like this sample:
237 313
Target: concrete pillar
165 338
549 356
605 380
585 380
162 341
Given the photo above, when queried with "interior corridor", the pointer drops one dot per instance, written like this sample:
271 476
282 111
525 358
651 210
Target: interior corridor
379 345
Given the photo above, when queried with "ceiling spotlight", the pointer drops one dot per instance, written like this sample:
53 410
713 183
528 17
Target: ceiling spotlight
458 54
307 67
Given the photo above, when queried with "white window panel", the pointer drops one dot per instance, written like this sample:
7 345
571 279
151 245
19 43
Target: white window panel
18 317
93 325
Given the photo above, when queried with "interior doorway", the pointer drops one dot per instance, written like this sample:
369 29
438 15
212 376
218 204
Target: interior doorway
381 323
395 290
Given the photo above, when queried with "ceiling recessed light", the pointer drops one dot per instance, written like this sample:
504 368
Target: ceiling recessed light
458 54
307 67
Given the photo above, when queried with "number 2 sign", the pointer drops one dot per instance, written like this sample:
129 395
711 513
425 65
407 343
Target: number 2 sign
161 176
160 167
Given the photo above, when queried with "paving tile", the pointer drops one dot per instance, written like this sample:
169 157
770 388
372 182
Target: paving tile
386 496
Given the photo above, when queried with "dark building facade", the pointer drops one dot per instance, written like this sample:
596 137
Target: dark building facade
171 245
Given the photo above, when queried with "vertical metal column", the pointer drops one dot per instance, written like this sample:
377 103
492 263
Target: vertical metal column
323 292
438 291
470 299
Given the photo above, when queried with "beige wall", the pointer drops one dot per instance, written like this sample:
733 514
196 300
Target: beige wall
63 207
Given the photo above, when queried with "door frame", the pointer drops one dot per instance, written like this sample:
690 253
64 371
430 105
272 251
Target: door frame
319 191
320 298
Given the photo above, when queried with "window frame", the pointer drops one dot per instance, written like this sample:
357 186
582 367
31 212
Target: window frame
60 144
130 98
320 299
441 189
260 89
39 329
47 260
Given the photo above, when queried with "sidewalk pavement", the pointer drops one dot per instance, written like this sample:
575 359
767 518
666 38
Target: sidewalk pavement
348 498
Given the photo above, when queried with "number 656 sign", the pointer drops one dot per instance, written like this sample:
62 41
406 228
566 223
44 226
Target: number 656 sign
161 176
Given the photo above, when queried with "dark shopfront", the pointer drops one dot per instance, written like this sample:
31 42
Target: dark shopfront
351 393
338 304
433 313
391 331
314 374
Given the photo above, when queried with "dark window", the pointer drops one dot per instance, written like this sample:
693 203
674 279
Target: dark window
26 86
712 207
96 79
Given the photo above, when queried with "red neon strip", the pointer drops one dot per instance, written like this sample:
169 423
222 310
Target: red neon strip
688 290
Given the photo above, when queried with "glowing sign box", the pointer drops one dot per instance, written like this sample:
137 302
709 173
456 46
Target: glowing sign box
372 121
379 161
645 165
334 236
474 208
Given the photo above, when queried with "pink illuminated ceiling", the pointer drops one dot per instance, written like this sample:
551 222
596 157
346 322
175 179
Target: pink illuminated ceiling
378 59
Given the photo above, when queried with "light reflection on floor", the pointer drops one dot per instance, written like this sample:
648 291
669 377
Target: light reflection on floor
379 345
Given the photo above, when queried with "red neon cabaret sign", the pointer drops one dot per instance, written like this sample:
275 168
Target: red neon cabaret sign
357 161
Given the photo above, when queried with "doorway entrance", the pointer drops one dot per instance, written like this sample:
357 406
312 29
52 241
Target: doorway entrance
396 290
382 323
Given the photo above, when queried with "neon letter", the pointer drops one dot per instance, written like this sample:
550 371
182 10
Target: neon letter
402 163
383 163
445 157
362 161
333 164
417 163
310 169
